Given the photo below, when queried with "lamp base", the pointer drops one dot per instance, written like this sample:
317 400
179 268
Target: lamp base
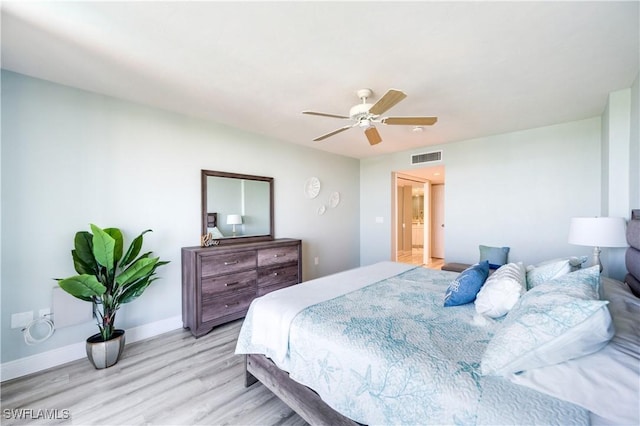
596 258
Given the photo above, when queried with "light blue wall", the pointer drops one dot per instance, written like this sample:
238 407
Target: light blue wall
518 189
70 157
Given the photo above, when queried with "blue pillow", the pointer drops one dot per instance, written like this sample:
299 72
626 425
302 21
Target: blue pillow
497 256
464 288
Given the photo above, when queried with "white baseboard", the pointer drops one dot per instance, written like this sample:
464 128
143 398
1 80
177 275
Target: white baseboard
42 361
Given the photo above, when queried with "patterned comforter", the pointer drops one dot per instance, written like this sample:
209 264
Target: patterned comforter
390 353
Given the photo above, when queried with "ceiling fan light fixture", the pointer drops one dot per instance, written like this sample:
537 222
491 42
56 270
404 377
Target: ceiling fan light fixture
359 111
364 124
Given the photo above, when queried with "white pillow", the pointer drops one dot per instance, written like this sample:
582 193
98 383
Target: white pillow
552 323
501 291
552 269
606 382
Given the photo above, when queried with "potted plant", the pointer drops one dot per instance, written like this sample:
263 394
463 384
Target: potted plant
108 278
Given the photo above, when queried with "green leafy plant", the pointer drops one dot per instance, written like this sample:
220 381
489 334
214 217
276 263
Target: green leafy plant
108 278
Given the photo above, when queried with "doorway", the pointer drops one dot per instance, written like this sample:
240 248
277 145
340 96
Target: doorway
418 217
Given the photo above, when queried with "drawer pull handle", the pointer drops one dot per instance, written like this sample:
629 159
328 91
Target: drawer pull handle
228 305
230 284
275 274
230 263
278 255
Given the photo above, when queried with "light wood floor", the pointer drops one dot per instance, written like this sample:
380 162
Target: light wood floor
171 379
415 257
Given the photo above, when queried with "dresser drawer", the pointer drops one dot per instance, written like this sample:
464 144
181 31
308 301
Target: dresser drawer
226 305
276 255
268 289
277 275
220 285
227 263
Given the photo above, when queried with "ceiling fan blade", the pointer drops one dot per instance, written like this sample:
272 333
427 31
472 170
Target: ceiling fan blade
389 99
324 114
410 121
373 135
335 132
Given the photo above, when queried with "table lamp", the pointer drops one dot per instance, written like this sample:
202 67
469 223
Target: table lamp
234 219
598 232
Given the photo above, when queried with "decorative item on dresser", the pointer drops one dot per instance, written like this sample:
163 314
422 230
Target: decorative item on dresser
219 283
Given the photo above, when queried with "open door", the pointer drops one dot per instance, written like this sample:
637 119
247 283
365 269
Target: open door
437 221
410 228
427 221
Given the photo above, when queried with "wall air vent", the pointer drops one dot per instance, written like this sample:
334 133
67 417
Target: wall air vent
426 157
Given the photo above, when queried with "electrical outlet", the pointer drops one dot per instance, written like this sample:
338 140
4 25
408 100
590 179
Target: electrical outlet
316 260
21 319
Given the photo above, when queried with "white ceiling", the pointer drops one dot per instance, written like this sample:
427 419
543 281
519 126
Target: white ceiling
482 67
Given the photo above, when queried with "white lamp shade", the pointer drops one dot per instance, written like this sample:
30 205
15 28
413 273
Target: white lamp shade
598 231
234 219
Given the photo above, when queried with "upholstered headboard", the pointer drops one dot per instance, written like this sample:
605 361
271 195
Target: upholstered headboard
632 258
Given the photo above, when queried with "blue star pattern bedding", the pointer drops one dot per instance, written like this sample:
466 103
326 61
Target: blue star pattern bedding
391 353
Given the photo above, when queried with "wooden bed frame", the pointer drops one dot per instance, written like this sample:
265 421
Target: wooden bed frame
299 398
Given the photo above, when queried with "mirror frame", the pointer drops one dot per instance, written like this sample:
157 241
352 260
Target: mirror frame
241 239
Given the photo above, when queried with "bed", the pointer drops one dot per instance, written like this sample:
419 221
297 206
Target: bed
375 345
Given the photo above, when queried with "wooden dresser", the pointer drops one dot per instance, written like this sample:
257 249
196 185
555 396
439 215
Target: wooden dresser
219 283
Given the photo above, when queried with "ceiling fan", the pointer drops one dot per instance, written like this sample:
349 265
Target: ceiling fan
366 114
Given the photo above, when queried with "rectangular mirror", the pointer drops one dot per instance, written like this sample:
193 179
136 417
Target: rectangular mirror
237 208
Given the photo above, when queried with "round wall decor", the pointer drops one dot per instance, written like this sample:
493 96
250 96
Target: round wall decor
334 199
312 187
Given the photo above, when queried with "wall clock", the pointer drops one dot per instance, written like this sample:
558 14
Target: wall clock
312 187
